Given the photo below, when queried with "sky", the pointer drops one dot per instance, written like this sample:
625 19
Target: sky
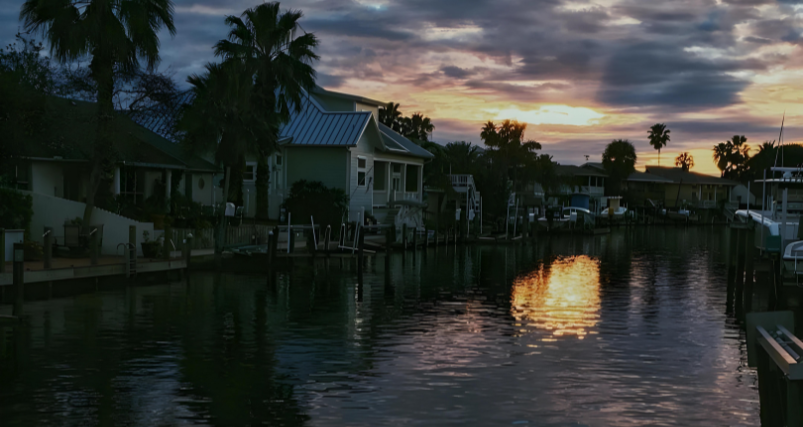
580 73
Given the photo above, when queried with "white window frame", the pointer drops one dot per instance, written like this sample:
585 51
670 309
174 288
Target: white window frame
254 175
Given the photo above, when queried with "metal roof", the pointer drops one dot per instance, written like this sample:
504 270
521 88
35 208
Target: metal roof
648 177
393 140
313 126
578 171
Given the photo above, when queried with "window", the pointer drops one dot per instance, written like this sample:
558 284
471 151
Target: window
250 172
395 181
361 178
278 159
411 179
380 176
361 162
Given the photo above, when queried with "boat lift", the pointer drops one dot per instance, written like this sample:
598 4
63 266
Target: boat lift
777 353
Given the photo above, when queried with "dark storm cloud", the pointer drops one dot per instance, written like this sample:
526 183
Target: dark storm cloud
657 74
640 63
456 72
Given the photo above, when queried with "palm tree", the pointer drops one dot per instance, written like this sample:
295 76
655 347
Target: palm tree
222 119
659 136
417 127
722 156
684 161
390 116
116 34
265 41
619 161
766 146
462 156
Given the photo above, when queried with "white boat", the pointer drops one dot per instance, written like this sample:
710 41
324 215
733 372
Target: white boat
793 257
617 214
569 214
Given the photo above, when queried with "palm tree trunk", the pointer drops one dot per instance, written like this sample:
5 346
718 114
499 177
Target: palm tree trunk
222 220
659 157
103 73
262 182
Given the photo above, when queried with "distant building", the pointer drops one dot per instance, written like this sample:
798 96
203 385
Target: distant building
688 188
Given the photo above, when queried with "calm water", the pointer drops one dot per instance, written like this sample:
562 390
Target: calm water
626 329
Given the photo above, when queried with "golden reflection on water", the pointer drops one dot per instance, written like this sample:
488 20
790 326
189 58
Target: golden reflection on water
562 297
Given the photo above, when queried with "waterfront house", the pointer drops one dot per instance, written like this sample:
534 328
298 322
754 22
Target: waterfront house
337 139
691 188
646 189
587 181
52 164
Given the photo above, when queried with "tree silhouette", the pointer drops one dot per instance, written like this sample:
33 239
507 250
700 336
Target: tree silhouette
684 161
659 136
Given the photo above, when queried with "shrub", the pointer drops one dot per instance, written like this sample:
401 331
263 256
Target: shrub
16 209
326 205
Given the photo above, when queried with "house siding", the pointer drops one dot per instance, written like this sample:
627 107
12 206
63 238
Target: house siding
358 106
324 164
362 197
47 178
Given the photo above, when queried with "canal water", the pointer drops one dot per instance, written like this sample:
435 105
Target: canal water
625 329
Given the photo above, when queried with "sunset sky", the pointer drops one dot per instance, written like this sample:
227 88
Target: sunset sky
581 73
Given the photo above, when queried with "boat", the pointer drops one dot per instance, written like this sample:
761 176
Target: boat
568 215
618 213
793 257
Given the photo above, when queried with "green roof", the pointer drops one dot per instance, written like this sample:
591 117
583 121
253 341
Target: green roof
70 129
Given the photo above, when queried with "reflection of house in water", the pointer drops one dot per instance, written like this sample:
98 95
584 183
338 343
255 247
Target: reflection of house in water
562 297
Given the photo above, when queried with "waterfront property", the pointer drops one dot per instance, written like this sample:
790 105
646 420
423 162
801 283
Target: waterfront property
587 180
336 139
691 188
52 166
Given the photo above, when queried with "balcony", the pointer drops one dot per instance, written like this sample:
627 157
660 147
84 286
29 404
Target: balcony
462 183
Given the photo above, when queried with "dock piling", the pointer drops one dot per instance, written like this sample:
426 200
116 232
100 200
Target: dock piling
187 251
749 271
2 250
740 261
18 278
48 247
93 245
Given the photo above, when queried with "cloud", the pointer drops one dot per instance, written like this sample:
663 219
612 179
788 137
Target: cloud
456 72
631 60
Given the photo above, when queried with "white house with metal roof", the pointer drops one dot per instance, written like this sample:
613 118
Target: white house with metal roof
337 139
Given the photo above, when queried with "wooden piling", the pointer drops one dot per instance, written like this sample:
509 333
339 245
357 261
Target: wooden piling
740 261
166 243
2 250
48 248
731 267
93 245
360 257
18 278
749 271
187 251
327 237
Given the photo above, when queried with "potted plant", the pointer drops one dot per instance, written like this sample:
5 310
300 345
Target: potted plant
150 249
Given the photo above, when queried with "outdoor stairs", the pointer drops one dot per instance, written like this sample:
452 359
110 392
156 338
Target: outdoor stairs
464 184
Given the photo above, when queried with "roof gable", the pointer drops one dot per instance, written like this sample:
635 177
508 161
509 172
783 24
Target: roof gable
401 145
